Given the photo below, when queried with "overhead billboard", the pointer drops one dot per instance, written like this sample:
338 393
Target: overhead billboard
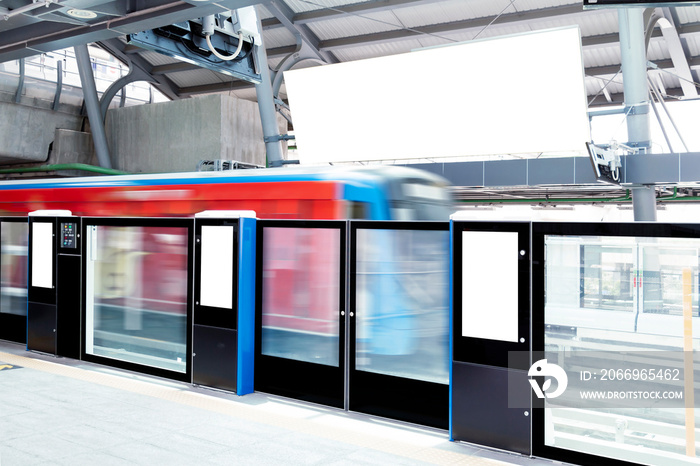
512 95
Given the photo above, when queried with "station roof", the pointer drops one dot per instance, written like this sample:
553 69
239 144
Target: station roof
344 30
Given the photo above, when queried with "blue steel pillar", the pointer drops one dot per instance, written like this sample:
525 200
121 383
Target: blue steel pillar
266 105
634 76
92 105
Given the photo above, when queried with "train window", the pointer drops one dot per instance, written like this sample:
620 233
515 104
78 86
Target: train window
425 191
606 275
414 200
13 263
357 210
136 299
619 274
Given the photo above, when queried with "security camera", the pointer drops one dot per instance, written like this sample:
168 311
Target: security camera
606 163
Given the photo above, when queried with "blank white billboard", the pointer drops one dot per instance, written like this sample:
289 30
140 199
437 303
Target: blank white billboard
512 95
42 254
216 282
490 285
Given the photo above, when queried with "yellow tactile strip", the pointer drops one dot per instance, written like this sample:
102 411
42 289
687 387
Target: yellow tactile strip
242 411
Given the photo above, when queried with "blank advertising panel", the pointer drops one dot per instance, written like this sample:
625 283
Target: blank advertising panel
490 285
217 267
42 254
478 98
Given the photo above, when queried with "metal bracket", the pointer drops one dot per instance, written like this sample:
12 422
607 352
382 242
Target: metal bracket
281 163
637 109
279 137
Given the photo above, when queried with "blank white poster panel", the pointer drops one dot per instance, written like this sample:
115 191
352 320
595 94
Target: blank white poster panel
490 285
42 254
482 97
216 285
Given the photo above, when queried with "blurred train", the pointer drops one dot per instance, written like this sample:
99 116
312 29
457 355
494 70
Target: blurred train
140 270
377 193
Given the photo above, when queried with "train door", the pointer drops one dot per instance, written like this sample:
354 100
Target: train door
300 327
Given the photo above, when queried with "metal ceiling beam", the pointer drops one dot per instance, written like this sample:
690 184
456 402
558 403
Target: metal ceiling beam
678 57
661 64
173 68
323 14
587 41
639 169
442 28
116 48
618 98
306 39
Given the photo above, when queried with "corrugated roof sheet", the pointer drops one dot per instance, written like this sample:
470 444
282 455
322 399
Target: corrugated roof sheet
355 25
299 6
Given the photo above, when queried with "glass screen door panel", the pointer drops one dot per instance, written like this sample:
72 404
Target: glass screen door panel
301 310
400 323
608 294
13 280
136 297
13 276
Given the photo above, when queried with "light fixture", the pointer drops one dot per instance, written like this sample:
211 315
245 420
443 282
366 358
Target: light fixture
81 14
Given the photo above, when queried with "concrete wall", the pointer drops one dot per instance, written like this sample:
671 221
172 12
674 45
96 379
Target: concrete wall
175 136
27 131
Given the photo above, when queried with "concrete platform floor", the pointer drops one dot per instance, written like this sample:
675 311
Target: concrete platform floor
56 411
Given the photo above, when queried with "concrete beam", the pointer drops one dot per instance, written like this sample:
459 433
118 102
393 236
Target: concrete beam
214 87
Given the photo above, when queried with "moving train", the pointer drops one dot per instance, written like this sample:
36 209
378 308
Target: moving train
141 273
376 193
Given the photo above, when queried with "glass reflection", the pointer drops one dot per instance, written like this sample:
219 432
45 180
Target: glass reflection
402 303
621 295
137 295
13 264
301 294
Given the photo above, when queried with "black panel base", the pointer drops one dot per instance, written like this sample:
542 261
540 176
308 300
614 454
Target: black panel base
215 360
13 327
480 412
68 306
305 381
41 327
399 398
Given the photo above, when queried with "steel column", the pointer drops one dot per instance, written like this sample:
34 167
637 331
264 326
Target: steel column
92 105
20 84
59 84
634 75
266 105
